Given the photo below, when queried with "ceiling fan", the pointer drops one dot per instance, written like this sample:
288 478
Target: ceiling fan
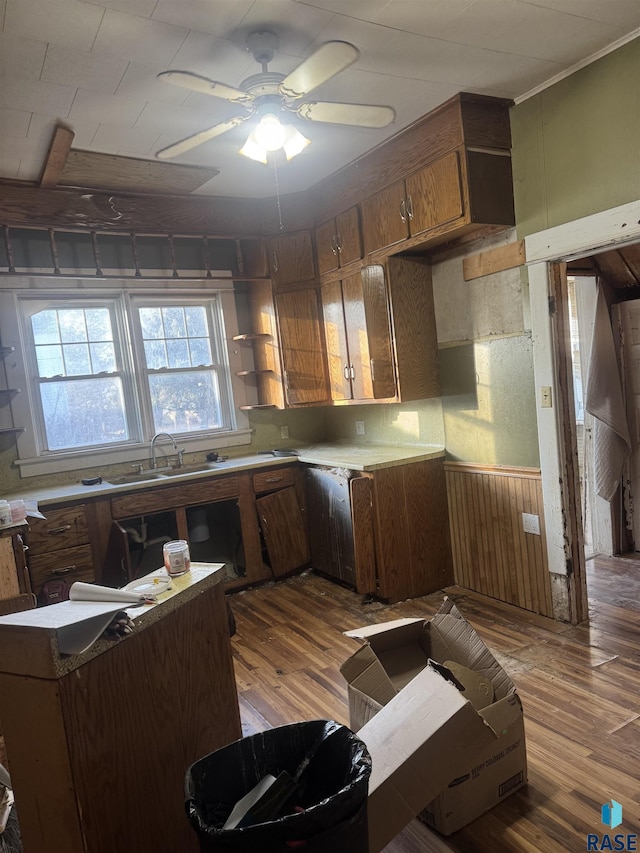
270 96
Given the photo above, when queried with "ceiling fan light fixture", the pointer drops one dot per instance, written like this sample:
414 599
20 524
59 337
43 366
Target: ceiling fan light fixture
270 134
294 142
253 150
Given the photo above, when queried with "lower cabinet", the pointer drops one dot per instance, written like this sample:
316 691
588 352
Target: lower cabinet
59 552
385 532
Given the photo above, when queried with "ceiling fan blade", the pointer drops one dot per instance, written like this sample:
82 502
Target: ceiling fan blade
360 115
329 59
190 142
198 83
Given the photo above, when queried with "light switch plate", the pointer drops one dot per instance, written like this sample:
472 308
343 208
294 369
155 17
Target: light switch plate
531 523
359 427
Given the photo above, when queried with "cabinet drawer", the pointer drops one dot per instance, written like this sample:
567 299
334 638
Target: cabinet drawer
169 497
62 528
267 481
70 564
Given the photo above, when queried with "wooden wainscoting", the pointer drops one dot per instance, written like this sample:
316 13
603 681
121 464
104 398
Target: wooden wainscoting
491 552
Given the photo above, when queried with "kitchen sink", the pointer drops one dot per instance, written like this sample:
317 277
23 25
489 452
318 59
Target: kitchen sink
186 469
136 478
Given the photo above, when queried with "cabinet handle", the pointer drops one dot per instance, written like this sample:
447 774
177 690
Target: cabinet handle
373 369
334 244
339 242
409 207
274 255
286 379
345 372
403 210
64 571
56 531
352 372
272 479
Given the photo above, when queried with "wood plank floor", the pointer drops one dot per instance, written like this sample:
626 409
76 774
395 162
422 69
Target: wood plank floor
580 687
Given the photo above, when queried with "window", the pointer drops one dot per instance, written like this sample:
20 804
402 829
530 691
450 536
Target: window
106 370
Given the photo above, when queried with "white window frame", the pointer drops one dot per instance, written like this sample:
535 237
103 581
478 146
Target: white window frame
31 459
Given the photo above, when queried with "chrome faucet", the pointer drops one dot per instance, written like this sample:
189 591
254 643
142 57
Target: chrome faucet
153 445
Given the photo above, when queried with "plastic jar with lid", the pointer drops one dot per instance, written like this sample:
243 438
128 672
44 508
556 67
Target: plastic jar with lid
5 513
18 511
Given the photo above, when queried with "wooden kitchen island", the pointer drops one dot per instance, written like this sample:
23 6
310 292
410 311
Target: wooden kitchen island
98 743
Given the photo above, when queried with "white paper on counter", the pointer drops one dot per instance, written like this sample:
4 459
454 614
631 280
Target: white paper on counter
78 624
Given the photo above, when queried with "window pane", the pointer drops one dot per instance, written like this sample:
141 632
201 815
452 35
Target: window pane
72 325
185 402
200 351
196 321
103 357
45 327
81 412
76 359
174 322
99 324
151 323
50 361
156 354
178 353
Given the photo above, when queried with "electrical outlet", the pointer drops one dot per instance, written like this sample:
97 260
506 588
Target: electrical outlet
284 432
531 523
359 427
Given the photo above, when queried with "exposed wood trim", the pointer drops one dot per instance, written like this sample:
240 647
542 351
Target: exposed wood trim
57 156
494 260
497 470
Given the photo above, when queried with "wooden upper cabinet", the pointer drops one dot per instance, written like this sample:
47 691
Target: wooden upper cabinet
383 220
339 241
456 193
434 194
291 258
358 337
302 346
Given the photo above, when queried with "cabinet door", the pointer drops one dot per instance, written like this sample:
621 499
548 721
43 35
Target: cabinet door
326 247
349 237
434 194
292 258
384 218
331 528
369 334
302 346
336 341
283 530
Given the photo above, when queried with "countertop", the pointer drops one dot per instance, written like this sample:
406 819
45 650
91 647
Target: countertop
355 457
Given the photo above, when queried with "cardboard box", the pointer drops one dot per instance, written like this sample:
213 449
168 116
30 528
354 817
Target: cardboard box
435 751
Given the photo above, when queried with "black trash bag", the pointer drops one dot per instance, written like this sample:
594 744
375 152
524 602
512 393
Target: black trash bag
327 812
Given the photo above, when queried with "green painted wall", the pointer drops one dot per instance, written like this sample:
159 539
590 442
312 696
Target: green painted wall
576 145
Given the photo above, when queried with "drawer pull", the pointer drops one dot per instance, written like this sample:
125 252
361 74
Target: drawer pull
65 571
272 479
56 531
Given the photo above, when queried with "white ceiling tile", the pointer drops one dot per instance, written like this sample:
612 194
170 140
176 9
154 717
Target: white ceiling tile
140 81
138 38
21 94
13 124
510 26
30 170
296 24
177 122
217 58
69 22
82 68
21 57
364 10
418 16
218 19
127 141
9 165
43 125
142 8
622 13
105 109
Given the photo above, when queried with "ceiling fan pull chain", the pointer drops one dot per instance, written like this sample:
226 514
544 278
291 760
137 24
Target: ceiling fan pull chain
275 174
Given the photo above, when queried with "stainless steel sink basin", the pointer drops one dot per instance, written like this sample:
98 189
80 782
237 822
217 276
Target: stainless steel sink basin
136 478
186 469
